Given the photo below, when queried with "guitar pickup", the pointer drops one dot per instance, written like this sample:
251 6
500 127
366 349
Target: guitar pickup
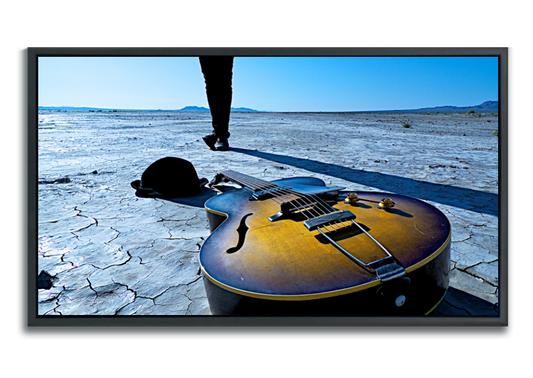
313 224
287 209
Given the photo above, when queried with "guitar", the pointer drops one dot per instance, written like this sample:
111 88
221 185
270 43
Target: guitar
297 247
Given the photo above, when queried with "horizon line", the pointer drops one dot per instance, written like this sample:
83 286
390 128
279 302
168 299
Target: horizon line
250 110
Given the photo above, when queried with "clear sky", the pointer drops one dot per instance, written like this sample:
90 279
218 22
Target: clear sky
271 83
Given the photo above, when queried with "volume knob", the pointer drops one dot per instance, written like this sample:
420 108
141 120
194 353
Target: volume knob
351 198
386 203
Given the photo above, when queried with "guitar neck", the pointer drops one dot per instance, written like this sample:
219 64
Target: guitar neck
290 199
247 181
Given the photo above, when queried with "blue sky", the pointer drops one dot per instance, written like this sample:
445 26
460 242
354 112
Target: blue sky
271 83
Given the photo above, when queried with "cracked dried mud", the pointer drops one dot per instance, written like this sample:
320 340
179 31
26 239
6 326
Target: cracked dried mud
112 253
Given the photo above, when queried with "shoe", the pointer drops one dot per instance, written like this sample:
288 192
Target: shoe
210 140
222 144
216 143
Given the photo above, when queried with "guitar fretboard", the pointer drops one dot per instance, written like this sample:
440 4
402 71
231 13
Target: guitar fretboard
282 194
248 181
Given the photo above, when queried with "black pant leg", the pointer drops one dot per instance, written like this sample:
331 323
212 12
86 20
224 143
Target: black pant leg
218 74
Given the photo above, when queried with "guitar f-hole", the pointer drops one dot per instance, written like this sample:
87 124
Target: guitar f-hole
241 230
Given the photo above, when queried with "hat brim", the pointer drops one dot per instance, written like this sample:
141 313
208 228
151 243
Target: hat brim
151 193
144 192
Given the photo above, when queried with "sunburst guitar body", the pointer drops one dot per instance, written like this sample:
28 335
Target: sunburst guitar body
294 247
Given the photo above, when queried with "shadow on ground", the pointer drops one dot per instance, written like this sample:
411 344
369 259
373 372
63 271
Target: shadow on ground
460 303
196 201
467 199
456 302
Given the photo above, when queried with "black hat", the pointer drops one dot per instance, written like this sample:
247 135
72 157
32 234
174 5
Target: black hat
169 177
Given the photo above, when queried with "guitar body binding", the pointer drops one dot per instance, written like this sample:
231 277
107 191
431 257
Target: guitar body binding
254 265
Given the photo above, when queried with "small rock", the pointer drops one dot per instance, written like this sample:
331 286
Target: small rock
64 180
44 280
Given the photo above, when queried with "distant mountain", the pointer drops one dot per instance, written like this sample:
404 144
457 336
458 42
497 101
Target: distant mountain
72 108
487 106
89 109
185 109
243 110
193 109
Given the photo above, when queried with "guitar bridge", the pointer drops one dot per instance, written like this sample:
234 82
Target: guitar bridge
324 220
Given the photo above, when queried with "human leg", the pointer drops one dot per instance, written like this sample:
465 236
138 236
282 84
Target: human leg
217 71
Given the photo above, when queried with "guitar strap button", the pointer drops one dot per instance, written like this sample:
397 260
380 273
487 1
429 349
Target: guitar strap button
400 301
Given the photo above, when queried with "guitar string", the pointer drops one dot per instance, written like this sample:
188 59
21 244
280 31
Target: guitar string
260 184
249 179
315 205
318 201
325 207
321 206
252 182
